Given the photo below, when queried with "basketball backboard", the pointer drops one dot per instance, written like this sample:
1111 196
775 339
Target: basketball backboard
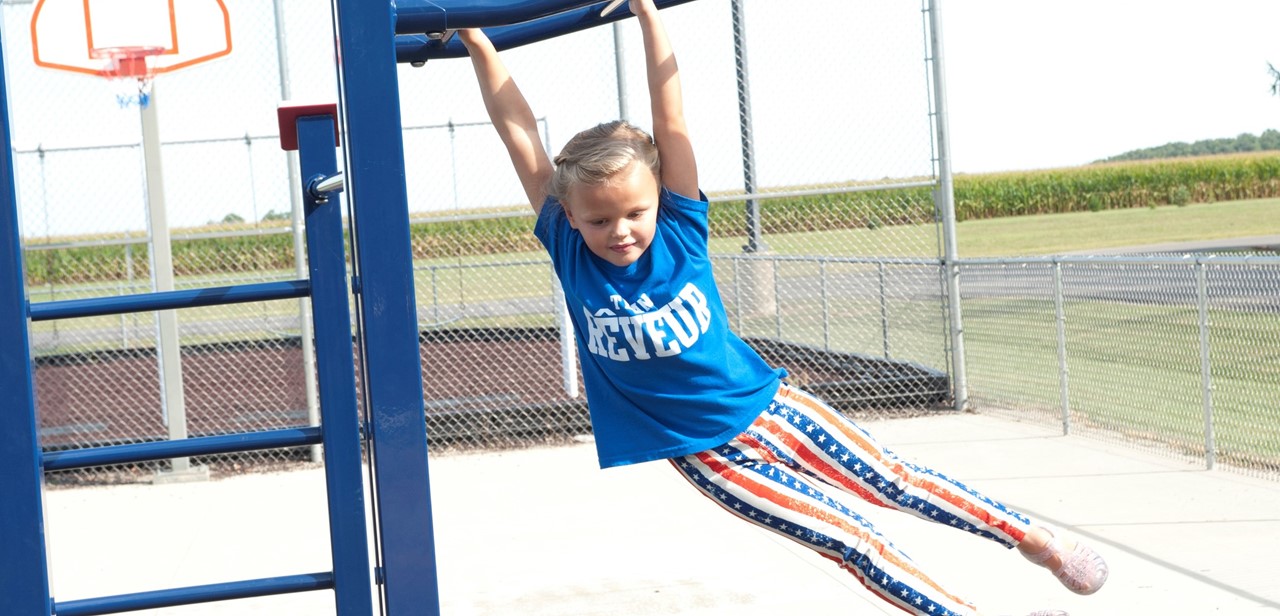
86 36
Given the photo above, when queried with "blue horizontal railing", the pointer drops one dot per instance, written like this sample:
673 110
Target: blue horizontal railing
423 16
180 448
195 594
509 23
168 300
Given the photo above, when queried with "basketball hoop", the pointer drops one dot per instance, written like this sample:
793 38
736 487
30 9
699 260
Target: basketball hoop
128 41
129 68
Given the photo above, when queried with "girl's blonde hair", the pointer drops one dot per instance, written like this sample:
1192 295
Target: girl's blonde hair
594 155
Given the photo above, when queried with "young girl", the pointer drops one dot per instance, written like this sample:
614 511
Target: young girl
625 224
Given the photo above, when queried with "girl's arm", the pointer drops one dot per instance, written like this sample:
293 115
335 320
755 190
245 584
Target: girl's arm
679 167
511 116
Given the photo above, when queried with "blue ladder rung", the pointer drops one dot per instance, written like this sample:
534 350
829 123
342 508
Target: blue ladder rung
509 23
195 594
181 448
169 300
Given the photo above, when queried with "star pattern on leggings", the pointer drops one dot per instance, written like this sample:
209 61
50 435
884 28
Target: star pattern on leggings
777 468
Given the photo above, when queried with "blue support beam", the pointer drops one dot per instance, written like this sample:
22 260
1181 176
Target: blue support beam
510 23
169 300
181 448
24 566
194 594
388 318
335 371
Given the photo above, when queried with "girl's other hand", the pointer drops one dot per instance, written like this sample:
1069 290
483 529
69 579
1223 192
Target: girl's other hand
641 7
471 36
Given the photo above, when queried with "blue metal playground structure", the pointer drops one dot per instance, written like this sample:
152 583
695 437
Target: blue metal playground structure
372 38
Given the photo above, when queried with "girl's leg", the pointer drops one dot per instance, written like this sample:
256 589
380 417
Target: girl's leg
748 480
806 434
811 437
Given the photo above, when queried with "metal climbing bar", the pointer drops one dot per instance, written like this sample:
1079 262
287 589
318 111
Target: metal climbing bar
169 300
196 446
420 25
192 595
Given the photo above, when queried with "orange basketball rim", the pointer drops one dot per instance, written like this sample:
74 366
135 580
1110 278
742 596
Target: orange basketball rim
113 38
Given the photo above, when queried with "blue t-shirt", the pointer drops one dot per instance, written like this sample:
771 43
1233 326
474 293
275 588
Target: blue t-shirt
664 375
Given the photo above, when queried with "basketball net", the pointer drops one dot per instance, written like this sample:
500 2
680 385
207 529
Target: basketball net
130 72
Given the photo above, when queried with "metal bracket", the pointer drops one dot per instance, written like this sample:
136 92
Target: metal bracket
320 186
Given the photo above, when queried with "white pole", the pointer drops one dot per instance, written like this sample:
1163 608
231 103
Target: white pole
169 357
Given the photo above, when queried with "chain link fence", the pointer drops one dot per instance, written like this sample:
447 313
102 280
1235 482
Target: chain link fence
1173 354
824 182
819 160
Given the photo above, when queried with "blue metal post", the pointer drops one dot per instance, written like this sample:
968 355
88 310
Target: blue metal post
326 257
24 568
383 266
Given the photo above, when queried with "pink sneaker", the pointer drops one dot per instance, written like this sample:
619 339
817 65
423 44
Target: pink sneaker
1081 569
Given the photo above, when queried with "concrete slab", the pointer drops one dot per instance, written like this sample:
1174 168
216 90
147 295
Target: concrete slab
545 532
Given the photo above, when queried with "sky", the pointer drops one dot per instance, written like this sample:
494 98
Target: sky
1051 83
1030 85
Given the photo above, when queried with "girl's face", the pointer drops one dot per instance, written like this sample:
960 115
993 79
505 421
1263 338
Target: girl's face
616 218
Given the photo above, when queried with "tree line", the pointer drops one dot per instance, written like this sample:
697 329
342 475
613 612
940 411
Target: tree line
1246 142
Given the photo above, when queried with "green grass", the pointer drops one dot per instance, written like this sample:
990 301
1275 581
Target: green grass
1083 231
1134 369
1042 234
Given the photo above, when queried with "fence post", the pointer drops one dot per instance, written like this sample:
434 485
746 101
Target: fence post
777 301
755 241
435 296
757 287
737 293
1061 318
826 307
300 268
944 201
1206 377
128 266
884 310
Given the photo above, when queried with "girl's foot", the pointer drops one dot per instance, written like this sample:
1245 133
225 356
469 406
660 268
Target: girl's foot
1077 566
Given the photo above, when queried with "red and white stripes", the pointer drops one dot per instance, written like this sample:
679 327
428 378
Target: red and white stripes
779 473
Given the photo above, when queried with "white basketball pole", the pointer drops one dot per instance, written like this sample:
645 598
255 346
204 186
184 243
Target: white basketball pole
169 358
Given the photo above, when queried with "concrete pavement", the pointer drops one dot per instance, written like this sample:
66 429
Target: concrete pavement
545 532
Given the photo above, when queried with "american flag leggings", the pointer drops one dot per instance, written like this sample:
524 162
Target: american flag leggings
777 475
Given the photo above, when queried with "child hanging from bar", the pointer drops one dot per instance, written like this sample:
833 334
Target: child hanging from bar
625 223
